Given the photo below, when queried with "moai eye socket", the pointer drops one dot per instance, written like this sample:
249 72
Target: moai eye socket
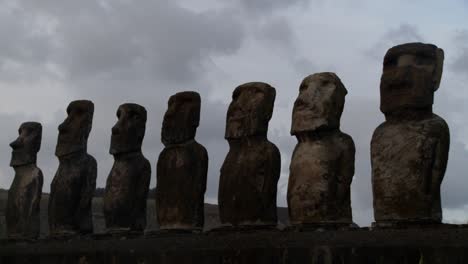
324 83
302 87
236 94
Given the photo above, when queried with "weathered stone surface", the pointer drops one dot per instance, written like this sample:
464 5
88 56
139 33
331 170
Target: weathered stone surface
409 150
319 104
24 196
182 166
411 74
250 172
72 189
128 182
322 165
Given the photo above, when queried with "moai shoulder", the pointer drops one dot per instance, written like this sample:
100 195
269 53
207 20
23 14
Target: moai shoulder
322 165
128 182
250 172
24 195
182 166
409 150
74 183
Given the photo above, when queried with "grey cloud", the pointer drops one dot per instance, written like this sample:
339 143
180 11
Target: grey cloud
404 33
360 118
25 46
267 6
151 38
211 135
460 63
447 106
277 31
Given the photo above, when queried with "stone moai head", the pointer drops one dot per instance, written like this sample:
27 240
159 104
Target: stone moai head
129 131
250 110
411 74
26 146
75 129
181 119
319 104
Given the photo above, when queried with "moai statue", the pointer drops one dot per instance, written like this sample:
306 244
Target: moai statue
409 150
73 186
250 173
182 166
128 182
24 196
322 165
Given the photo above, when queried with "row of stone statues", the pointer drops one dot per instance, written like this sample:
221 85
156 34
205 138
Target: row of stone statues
409 153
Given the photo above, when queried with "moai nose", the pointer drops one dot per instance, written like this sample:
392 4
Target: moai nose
15 144
62 128
115 129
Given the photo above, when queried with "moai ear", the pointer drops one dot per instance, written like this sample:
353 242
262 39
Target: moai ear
271 93
37 127
438 68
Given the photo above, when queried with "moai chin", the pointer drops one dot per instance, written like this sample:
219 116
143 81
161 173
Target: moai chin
128 182
250 172
182 166
73 186
322 165
409 150
24 195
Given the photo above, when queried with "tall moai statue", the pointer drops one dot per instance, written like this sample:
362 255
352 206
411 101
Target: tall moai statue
409 150
182 166
24 196
74 183
250 172
128 182
322 165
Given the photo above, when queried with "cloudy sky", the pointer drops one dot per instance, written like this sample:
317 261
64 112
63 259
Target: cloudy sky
116 51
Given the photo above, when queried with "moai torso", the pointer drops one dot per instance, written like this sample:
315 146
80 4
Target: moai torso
24 195
128 182
182 166
322 165
409 150
73 186
408 160
321 173
250 172
248 183
72 190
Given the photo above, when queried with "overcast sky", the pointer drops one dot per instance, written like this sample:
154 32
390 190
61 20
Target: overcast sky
117 51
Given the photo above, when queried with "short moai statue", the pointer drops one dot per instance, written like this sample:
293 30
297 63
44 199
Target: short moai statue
127 185
182 166
250 172
322 165
24 195
73 186
409 150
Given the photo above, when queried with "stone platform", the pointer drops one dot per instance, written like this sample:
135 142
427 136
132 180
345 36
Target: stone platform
446 244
